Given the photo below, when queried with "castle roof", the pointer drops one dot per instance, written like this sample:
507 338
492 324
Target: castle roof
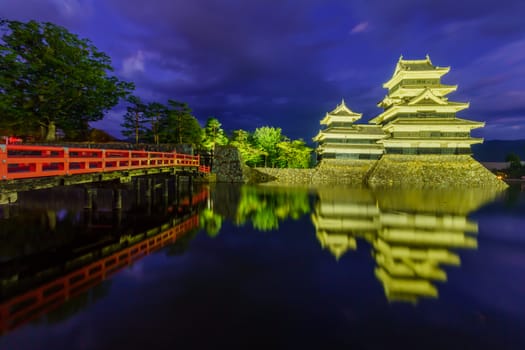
343 110
419 68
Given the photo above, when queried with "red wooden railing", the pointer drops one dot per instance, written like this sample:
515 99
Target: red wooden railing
22 161
34 303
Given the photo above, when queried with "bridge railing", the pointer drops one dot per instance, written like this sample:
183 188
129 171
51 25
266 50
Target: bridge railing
49 296
22 161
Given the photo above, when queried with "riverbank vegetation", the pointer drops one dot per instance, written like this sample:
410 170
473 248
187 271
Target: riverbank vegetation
53 84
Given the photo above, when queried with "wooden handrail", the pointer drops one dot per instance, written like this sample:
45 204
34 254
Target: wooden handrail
23 161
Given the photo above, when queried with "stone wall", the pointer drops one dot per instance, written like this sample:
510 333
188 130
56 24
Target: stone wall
227 165
416 171
282 176
436 171
336 171
327 172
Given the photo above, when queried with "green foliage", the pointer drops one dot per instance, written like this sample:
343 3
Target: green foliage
243 140
294 154
134 118
156 123
265 208
515 170
180 126
97 135
267 146
211 222
266 139
213 134
155 114
50 79
514 159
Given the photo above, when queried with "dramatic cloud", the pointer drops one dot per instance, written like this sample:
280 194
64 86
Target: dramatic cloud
286 63
133 64
359 28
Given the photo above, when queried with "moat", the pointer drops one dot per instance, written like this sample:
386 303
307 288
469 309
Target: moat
225 265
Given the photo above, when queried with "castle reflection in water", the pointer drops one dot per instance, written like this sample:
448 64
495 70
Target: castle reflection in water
55 249
413 234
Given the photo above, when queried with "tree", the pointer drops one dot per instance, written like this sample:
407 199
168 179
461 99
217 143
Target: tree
180 126
266 138
243 141
515 168
213 134
134 119
294 154
156 112
50 78
514 159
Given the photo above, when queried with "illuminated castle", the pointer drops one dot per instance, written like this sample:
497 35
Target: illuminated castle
417 116
416 141
342 139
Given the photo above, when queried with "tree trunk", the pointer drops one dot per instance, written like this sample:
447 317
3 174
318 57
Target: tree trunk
51 132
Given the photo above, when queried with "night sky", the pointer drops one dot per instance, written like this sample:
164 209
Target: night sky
285 63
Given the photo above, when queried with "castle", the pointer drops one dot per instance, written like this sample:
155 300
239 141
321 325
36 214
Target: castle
417 139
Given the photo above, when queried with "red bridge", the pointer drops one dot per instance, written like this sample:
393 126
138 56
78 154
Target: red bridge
23 162
34 303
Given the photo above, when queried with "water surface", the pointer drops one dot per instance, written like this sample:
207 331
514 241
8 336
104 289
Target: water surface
243 266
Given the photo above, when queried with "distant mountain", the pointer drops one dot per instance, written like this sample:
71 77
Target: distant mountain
497 150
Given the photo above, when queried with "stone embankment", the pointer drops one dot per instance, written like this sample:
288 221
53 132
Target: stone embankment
430 171
436 171
327 172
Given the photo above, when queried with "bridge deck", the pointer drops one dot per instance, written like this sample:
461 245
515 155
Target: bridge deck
24 167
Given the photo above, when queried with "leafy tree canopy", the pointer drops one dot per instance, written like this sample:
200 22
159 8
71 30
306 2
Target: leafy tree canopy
50 78
213 134
133 122
180 126
266 139
243 140
294 154
514 159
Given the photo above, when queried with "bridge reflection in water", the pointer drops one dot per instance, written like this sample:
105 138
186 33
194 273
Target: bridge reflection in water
413 233
42 279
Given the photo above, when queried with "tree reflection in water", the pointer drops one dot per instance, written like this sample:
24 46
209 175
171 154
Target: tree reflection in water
413 233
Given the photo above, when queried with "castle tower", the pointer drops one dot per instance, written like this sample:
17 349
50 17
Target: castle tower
342 139
426 145
418 117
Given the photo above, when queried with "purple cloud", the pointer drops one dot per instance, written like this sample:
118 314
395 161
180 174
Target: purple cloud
297 57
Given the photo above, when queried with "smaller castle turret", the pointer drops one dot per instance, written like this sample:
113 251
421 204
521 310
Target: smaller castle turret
343 139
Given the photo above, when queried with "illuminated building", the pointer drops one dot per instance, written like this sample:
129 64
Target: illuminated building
418 118
343 139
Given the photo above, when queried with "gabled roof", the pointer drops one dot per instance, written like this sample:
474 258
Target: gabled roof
343 110
427 97
419 67
415 65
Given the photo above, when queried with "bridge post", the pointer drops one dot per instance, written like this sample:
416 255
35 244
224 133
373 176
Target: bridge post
6 211
166 188
190 190
166 192
117 198
117 216
149 182
3 162
138 197
148 194
90 195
